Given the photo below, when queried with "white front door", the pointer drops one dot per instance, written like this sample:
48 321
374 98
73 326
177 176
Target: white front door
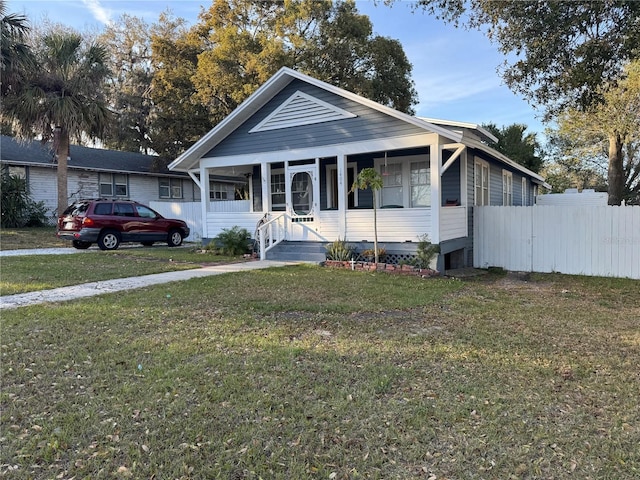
303 201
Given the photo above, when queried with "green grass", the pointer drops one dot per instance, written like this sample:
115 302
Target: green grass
21 238
42 272
304 372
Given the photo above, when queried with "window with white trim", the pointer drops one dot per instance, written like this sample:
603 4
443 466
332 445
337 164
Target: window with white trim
278 191
420 180
481 182
170 187
507 188
406 181
113 185
523 192
218 191
392 193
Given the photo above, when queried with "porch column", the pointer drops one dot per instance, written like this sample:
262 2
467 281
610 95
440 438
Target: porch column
343 188
204 200
265 179
436 179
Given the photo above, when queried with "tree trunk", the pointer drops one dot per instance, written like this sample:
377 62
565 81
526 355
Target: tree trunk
375 229
61 142
616 169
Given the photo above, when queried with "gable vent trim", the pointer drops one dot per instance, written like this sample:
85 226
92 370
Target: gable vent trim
301 109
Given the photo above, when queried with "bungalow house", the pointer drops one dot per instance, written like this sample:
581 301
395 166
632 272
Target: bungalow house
95 172
301 142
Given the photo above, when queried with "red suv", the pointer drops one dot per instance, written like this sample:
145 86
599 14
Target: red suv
111 222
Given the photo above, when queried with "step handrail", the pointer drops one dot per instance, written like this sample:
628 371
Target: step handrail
271 233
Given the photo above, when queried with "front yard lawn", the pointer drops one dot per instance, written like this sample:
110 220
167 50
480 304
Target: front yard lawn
303 372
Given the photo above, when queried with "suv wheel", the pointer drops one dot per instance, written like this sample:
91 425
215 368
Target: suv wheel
175 238
80 245
109 240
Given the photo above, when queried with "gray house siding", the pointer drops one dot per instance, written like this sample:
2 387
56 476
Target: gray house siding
451 184
369 124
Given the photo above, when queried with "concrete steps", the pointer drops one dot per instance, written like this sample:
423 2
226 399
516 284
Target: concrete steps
298 251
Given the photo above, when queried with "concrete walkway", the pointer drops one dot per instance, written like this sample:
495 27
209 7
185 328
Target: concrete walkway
120 284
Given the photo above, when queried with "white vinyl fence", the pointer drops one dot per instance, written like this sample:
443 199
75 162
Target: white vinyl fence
598 241
190 212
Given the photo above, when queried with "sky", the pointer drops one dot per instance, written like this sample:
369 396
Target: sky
454 70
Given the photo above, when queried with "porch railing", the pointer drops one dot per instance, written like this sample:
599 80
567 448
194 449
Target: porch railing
271 232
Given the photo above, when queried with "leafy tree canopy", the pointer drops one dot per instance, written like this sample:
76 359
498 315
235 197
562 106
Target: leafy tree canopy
586 138
128 46
559 53
244 42
518 146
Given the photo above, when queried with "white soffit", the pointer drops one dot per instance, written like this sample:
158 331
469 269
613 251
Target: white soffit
301 109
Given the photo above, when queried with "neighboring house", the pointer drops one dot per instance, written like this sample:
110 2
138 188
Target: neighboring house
301 143
95 172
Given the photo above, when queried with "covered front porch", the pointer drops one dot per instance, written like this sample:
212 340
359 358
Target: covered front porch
306 195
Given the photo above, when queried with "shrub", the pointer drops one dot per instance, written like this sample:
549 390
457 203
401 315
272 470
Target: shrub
370 253
340 250
233 241
18 208
426 252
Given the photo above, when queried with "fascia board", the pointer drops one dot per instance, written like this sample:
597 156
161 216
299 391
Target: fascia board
503 158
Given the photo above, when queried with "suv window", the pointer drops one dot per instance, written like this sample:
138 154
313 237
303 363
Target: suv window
76 209
102 209
123 210
145 212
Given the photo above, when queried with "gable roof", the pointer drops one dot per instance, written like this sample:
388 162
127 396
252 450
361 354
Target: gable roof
454 131
266 92
34 153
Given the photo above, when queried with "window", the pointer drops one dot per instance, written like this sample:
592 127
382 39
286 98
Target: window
392 185
420 184
507 188
218 191
145 212
113 185
481 181
101 208
278 198
170 188
523 193
16 171
406 181
123 210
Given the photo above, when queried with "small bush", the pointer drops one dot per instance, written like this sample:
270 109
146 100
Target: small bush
371 253
426 252
18 208
233 241
340 250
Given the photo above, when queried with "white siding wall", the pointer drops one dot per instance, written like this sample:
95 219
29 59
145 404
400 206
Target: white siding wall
43 184
216 222
453 223
601 241
394 224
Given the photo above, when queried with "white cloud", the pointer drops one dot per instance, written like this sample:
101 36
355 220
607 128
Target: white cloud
100 13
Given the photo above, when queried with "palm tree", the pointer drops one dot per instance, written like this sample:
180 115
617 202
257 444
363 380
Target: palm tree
15 54
62 98
370 178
